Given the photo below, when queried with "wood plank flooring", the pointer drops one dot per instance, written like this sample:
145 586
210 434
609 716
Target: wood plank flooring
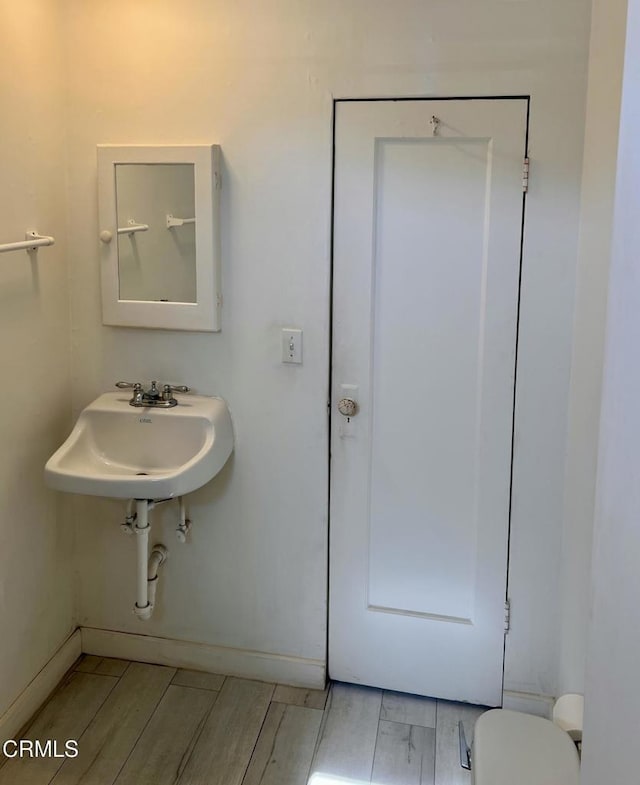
139 724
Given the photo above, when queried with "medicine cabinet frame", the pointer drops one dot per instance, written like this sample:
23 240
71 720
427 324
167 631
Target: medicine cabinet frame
202 315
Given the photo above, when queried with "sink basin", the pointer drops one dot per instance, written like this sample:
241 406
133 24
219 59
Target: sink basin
127 452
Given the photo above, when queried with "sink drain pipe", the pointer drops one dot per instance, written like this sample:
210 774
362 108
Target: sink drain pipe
158 556
148 565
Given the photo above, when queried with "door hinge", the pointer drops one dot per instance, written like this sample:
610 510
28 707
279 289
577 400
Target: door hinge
507 616
525 175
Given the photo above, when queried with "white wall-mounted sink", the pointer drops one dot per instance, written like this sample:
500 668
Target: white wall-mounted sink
127 452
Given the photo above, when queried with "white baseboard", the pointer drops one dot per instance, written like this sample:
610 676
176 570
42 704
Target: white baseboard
296 671
528 702
39 689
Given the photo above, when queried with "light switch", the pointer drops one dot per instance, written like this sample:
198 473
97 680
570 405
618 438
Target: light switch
291 345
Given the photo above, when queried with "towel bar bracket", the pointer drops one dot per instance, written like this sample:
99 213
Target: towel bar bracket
32 241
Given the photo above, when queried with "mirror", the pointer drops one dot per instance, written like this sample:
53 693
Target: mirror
156 247
160 236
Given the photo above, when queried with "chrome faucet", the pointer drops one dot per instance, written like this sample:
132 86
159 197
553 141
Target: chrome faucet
153 396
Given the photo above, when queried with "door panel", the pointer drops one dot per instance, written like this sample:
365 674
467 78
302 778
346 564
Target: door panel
427 233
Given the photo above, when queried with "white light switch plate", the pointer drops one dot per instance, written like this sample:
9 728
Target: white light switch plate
291 345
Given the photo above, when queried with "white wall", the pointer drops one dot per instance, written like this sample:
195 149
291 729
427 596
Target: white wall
612 723
260 82
36 591
606 56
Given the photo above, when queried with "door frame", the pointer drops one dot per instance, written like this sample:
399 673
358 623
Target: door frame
335 102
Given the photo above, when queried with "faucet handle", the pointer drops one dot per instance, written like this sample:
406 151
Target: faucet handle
137 391
169 389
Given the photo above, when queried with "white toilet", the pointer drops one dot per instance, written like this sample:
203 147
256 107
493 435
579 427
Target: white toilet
511 748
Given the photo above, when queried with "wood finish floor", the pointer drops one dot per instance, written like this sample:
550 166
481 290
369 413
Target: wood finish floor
140 724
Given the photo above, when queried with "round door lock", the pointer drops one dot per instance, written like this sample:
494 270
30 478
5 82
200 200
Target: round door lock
348 407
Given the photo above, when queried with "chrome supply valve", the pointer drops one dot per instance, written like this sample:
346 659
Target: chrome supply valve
184 525
182 529
129 521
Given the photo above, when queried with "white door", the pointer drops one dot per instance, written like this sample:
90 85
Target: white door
427 238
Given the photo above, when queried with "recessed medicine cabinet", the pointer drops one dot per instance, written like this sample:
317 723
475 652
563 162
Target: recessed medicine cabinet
160 236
